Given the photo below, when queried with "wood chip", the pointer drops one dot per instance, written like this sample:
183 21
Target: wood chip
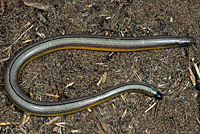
137 76
52 95
4 59
102 79
114 106
197 70
75 131
192 77
123 98
26 118
107 18
198 120
161 85
31 94
42 35
9 123
2 4
124 114
26 41
60 124
70 84
88 6
88 109
51 121
26 25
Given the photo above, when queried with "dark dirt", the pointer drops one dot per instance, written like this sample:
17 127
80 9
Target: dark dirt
167 69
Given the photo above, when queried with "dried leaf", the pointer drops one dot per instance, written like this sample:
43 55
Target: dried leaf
40 6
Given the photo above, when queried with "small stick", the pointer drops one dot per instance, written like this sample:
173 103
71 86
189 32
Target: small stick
150 107
8 123
51 121
197 70
192 77
24 33
198 121
19 38
4 59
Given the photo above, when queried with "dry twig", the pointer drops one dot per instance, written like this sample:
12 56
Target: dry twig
192 77
150 107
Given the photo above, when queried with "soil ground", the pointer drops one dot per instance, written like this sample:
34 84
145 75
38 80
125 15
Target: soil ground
167 69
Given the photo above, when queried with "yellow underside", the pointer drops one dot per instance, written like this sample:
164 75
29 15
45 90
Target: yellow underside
85 48
96 49
77 110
